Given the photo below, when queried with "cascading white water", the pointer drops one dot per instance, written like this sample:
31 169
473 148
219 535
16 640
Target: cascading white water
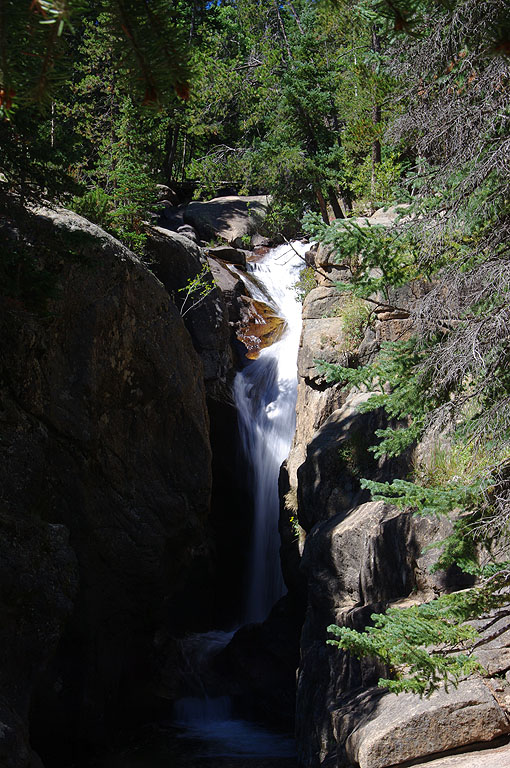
265 396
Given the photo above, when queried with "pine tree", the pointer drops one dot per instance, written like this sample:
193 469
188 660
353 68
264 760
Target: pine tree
456 64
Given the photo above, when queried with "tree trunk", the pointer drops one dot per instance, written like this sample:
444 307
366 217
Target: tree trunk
345 200
342 196
337 210
192 23
171 150
322 204
296 17
282 28
184 148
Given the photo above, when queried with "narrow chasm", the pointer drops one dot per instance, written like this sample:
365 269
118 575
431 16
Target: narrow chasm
230 684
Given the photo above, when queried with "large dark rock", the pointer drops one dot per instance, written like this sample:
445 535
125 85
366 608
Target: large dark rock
229 254
357 563
231 287
104 433
227 218
336 458
38 580
176 260
258 667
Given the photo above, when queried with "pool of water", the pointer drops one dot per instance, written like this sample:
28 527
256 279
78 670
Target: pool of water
227 744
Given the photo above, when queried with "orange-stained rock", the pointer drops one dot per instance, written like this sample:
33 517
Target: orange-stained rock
260 327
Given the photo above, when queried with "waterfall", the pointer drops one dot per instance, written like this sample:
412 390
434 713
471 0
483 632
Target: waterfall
265 396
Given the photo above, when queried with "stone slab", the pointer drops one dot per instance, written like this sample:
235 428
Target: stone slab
406 727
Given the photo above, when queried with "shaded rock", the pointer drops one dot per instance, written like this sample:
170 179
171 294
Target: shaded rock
259 666
231 516
166 193
231 287
227 253
406 727
188 232
337 456
355 564
15 751
259 241
315 403
106 433
172 216
314 407
228 218
492 650
337 559
176 260
292 536
38 582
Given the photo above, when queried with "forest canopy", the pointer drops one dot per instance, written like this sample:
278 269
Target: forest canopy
290 99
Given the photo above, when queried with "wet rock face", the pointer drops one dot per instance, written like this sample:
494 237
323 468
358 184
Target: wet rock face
259 327
104 433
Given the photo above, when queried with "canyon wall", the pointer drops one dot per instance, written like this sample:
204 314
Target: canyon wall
348 557
106 480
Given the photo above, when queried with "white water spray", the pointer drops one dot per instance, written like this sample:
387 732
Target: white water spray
265 396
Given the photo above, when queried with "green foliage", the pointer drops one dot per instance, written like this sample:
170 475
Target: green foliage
283 218
291 505
272 109
421 644
197 289
424 501
376 257
356 317
402 386
38 37
306 283
414 642
94 205
387 177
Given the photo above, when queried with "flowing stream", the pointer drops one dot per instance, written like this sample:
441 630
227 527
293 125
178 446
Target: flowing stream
265 396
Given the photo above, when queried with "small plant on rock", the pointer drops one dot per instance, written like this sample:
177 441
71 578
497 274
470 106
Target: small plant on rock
197 289
306 283
356 317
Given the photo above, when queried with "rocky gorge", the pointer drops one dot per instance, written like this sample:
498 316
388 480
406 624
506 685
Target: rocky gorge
125 520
